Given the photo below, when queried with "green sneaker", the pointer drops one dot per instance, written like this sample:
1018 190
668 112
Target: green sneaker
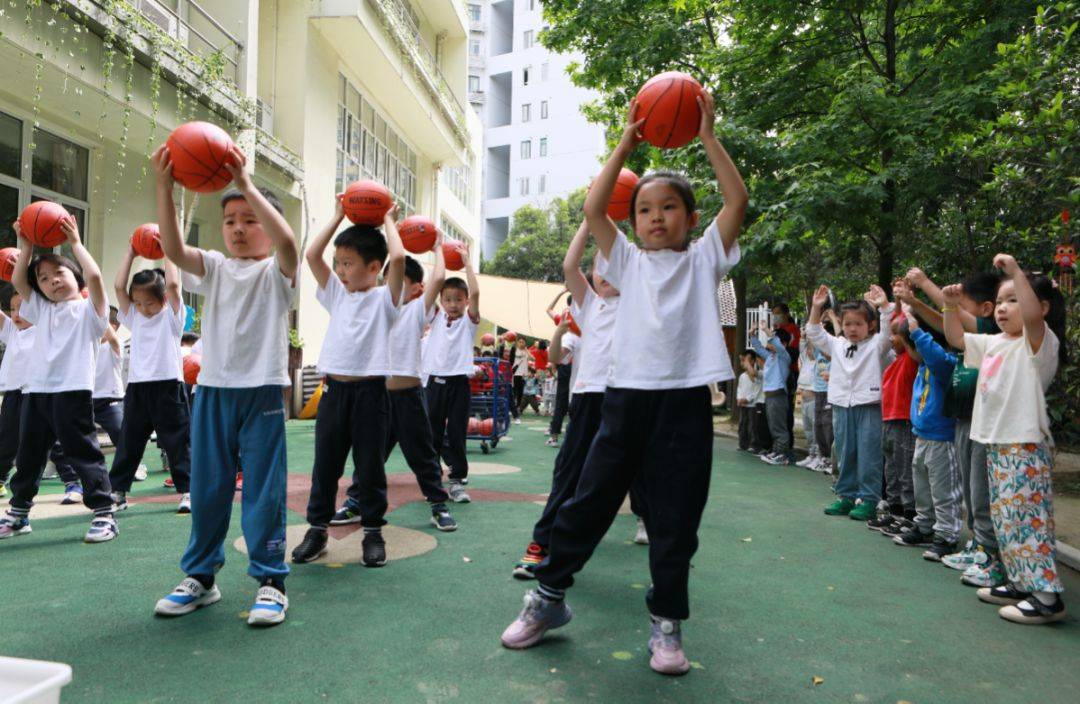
863 512
840 507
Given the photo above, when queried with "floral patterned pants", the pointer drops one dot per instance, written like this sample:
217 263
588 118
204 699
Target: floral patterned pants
1022 509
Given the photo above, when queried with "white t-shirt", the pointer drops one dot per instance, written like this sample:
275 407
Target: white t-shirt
357 341
155 344
570 345
107 380
405 344
245 321
1010 400
592 361
18 348
521 362
668 332
450 345
64 355
750 390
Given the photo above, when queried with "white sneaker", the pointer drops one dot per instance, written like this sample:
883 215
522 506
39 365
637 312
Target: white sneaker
642 535
141 472
102 530
517 421
185 504
189 595
807 462
269 607
457 493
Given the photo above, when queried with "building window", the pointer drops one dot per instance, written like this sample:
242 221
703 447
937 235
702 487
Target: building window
527 39
523 186
59 171
526 149
543 110
542 187
474 47
544 71
474 12
532 5
454 232
526 112
458 180
525 75
543 146
474 84
368 147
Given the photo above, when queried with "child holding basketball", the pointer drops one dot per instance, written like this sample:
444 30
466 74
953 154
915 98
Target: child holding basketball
450 348
155 399
239 409
595 308
1016 367
668 346
58 403
354 411
409 423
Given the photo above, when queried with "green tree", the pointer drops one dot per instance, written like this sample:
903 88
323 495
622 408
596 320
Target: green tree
537 242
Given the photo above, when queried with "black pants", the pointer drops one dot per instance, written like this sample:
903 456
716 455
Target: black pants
10 413
665 437
353 415
562 398
528 400
150 406
67 416
409 427
109 414
792 387
519 389
747 418
762 437
448 406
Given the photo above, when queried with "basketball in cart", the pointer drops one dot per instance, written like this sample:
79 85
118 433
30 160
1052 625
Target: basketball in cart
491 393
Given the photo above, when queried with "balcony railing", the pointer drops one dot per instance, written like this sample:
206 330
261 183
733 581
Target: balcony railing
401 22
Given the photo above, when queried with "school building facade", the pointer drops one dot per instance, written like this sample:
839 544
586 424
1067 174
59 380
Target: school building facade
317 94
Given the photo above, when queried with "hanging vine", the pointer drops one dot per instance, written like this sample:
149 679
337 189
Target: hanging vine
108 56
155 104
125 121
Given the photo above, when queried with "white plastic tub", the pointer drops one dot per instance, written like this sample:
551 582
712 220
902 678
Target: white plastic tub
32 681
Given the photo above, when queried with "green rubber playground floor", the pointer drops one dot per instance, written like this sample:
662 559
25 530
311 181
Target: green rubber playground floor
787 605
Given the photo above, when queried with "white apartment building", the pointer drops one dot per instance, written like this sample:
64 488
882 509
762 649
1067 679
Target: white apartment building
537 144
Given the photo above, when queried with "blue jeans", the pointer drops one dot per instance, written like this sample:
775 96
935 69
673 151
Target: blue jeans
858 451
225 425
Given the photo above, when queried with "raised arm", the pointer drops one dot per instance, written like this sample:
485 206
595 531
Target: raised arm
20 276
937 297
395 255
555 349
184 256
954 329
576 283
317 247
877 298
902 292
120 284
474 285
112 339
554 302
438 275
732 189
172 286
596 202
273 222
90 270
817 304
1030 305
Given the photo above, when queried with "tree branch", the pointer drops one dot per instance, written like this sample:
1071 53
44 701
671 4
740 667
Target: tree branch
863 44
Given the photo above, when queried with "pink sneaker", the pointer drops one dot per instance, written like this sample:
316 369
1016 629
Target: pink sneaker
538 616
665 644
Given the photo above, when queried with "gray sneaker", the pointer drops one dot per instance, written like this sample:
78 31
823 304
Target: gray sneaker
665 644
642 535
538 617
458 494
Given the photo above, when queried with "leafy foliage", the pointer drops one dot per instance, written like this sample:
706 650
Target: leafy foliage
537 242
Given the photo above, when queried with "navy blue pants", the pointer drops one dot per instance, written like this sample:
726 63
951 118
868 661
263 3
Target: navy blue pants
154 406
448 409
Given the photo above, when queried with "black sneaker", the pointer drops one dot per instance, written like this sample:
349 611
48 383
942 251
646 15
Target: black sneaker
939 549
1031 611
1005 595
312 547
914 538
881 522
894 529
443 521
374 550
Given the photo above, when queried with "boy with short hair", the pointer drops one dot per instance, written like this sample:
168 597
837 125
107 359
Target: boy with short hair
450 353
354 411
746 396
240 408
409 424
774 386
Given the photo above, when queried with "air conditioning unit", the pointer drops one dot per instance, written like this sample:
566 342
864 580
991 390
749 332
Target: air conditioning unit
264 115
163 17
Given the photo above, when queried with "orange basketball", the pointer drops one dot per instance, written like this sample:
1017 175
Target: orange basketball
8 255
619 206
487 339
487 426
417 233
474 427
668 104
192 367
451 251
199 151
366 202
40 223
146 241
573 325
510 337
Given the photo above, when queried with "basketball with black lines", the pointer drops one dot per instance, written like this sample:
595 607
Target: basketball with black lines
417 234
8 255
146 241
40 223
366 202
199 151
668 104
